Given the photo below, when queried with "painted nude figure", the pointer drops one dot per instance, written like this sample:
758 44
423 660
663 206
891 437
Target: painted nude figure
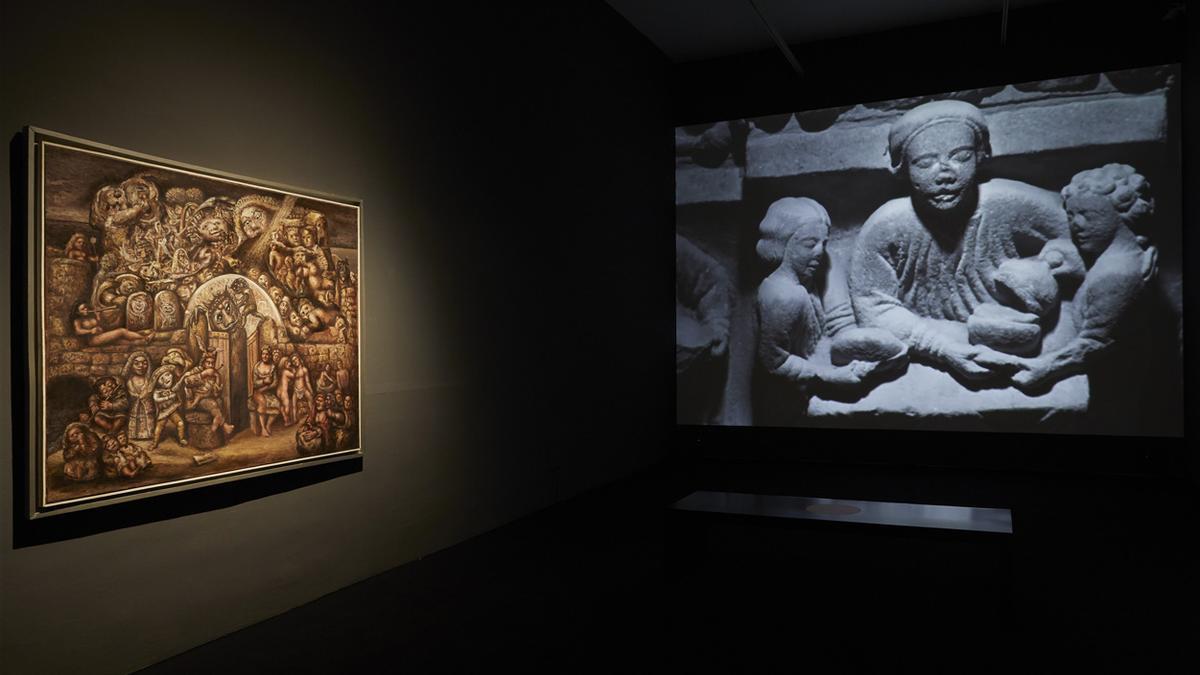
77 249
287 374
302 393
87 324
265 403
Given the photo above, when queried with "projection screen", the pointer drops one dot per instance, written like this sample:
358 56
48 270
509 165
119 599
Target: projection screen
1007 258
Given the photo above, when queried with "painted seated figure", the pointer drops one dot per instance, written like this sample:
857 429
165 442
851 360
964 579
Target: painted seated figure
81 449
109 406
203 389
931 258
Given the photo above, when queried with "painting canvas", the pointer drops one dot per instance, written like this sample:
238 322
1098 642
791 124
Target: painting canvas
187 326
1006 258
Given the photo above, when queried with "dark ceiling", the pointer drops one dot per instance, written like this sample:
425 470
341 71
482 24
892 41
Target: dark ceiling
691 30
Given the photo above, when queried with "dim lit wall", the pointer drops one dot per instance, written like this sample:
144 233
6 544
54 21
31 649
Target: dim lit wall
516 175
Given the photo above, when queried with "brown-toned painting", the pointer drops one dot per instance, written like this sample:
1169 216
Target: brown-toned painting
188 326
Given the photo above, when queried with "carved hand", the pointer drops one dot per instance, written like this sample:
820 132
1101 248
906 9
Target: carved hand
849 375
1036 377
977 362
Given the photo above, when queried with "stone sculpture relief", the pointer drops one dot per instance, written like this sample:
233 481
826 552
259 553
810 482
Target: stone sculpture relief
792 320
703 298
935 256
1106 208
997 295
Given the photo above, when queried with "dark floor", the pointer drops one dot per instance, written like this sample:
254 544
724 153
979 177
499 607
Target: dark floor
1097 577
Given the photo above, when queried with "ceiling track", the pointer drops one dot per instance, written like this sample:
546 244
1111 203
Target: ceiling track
779 41
1004 24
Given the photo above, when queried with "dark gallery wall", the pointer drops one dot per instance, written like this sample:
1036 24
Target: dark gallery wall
1051 40
515 169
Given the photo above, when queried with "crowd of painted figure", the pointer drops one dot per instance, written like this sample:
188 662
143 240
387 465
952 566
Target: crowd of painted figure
149 258
998 255
168 246
323 406
127 415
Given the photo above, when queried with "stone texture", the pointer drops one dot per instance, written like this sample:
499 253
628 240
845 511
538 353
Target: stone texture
712 146
864 344
1073 123
1016 129
1005 329
1027 284
819 120
944 397
772 123
1141 79
796 152
1077 83
696 184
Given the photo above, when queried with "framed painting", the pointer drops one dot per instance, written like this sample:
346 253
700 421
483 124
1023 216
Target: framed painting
186 326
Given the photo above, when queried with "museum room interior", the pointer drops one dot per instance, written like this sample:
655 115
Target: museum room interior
888 445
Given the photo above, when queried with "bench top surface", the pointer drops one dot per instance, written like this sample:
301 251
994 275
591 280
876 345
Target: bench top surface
898 514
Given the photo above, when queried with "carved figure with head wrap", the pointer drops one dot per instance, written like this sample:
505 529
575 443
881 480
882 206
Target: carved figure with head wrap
932 255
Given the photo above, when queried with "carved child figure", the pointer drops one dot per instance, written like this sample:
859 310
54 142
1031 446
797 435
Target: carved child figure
1106 207
791 317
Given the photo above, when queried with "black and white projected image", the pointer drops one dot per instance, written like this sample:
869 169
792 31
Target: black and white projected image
998 259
